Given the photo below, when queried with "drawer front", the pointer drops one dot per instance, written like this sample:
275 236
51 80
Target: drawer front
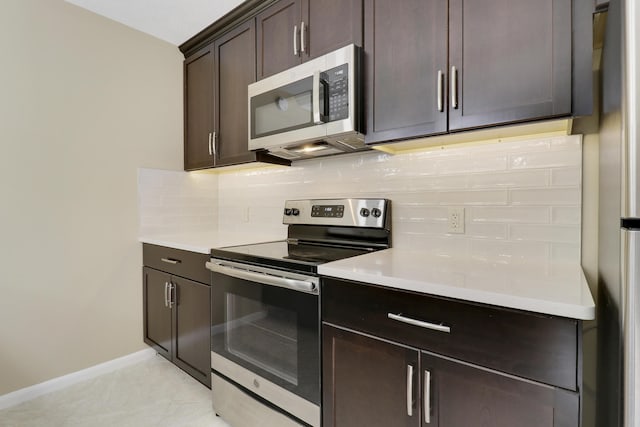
175 261
534 346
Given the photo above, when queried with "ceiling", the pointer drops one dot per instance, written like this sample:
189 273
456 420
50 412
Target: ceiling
174 21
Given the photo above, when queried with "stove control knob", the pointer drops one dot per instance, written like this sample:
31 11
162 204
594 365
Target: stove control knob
364 212
287 211
295 212
376 212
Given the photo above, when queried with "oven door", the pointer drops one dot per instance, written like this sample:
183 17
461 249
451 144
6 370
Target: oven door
266 334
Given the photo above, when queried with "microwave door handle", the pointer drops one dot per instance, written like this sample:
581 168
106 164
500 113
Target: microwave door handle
319 117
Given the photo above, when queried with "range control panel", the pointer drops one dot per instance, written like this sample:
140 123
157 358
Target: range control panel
327 211
341 212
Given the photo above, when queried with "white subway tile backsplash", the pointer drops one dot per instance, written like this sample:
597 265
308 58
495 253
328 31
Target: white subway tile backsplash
546 196
473 197
507 252
566 215
521 178
545 159
545 233
469 163
565 252
485 230
171 202
566 176
522 199
573 142
509 214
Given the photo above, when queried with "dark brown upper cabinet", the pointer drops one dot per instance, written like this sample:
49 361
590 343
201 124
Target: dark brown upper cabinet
406 65
235 69
216 78
510 60
292 31
198 109
436 66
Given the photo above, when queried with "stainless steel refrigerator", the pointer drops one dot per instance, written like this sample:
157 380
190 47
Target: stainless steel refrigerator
618 312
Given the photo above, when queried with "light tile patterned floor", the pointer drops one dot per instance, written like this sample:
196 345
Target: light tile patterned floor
152 393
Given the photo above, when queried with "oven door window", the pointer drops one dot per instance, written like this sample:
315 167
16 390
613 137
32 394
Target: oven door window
283 109
270 331
263 335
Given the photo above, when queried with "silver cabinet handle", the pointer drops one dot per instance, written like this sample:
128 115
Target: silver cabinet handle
410 390
295 40
170 261
210 149
171 293
166 297
266 277
427 325
213 144
302 41
454 87
427 397
439 91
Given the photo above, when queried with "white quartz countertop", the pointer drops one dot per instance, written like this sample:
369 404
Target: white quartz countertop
196 242
558 289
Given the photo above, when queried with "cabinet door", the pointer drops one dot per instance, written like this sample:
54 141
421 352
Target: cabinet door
329 25
198 109
406 52
457 394
157 314
367 382
192 316
235 59
277 27
513 61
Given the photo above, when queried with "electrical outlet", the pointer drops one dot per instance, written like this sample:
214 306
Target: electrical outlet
456 220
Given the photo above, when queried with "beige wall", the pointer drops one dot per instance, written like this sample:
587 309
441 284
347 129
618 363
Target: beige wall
84 102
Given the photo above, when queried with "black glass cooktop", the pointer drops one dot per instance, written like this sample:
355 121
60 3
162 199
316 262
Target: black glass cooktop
302 257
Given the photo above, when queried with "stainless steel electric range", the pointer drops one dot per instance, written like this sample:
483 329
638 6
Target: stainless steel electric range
265 354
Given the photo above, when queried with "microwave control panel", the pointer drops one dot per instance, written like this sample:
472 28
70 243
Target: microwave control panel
337 80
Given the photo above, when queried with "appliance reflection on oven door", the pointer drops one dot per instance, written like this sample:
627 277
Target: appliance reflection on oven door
265 338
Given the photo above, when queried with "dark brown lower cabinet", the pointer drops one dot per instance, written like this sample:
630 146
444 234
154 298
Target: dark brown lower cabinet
365 381
371 382
177 321
456 394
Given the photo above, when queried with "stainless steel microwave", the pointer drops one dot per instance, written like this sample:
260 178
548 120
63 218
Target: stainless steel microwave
312 109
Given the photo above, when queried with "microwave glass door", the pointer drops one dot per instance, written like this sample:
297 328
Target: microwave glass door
286 108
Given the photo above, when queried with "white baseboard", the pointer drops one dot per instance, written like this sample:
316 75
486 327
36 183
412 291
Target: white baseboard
28 393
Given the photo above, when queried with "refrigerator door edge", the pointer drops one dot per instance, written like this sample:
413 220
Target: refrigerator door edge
631 326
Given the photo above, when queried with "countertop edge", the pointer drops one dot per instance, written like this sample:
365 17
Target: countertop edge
167 242
541 306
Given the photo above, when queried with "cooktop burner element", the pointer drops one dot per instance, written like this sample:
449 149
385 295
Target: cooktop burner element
320 231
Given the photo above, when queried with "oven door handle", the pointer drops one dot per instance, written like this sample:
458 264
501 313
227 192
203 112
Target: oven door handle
266 279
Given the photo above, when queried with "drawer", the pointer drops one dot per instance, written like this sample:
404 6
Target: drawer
538 347
175 261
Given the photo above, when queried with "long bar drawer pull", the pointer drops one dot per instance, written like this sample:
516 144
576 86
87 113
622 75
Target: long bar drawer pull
410 390
170 260
420 323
